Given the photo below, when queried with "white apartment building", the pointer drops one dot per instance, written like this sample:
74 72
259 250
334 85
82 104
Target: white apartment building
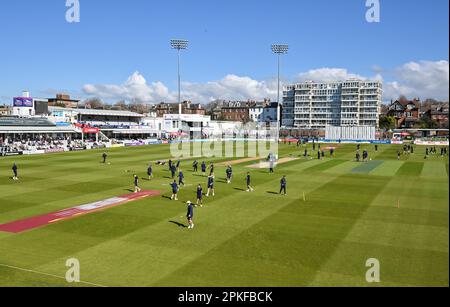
256 113
313 105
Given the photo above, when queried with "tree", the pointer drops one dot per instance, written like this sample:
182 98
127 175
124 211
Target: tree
427 123
139 108
387 122
94 103
121 105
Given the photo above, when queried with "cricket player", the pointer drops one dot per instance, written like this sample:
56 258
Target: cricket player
181 178
136 184
178 164
190 215
150 172
365 155
195 166
174 186
105 156
229 172
211 169
200 195
249 182
272 165
211 185
203 167
14 169
173 171
283 184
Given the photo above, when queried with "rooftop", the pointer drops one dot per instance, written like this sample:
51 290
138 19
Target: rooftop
96 112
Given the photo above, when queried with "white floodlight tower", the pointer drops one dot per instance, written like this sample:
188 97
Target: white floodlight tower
279 49
179 44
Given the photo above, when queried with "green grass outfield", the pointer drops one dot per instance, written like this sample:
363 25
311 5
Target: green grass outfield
240 239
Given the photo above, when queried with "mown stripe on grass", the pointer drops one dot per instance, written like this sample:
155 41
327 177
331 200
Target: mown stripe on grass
434 170
341 169
366 168
415 237
410 169
290 240
324 166
389 168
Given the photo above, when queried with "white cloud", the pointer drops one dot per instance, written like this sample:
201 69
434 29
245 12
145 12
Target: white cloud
135 88
424 79
327 75
334 74
231 87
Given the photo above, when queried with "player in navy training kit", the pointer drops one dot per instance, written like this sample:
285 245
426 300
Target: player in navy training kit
104 157
200 195
181 178
203 167
249 182
150 172
174 186
190 215
211 169
136 184
173 171
283 184
210 185
195 166
229 174
14 169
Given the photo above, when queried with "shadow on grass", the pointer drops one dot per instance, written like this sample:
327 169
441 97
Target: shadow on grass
178 224
198 175
271 192
239 189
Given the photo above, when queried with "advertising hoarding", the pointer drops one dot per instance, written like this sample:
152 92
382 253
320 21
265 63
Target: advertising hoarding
23 102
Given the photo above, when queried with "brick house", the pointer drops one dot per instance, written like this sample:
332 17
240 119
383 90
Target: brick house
438 114
187 107
405 112
236 111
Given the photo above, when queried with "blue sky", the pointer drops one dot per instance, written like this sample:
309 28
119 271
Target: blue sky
229 53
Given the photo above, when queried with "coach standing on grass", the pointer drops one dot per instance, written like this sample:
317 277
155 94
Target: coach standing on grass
14 169
283 184
190 215
249 183
150 172
174 186
136 184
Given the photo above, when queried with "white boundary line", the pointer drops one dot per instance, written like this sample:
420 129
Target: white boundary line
47 274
